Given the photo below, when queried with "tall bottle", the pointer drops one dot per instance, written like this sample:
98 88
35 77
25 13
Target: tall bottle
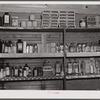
7 69
19 46
57 68
24 72
16 71
27 69
6 19
0 46
69 67
20 72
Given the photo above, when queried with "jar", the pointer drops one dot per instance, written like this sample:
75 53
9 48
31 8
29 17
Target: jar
29 24
82 23
32 17
34 24
23 24
15 21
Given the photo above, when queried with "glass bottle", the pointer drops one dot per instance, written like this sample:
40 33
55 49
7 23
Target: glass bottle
6 19
24 72
69 67
0 46
27 69
12 71
35 48
29 72
19 45
57 68
7 69
35 72
75 67
16 71
20 72
82 67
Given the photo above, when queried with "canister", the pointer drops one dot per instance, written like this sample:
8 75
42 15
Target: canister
23 24
32 17
29 24
15 21
34 23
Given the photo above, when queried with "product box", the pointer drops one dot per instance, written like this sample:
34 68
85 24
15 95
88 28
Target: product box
92 22
48 71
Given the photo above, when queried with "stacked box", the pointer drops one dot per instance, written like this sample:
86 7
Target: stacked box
54 19
70 19
46 19
91 22
62 19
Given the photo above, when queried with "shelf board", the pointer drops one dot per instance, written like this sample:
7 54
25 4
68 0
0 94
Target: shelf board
82 77
30 55
83 30
12 29
20 79
83 54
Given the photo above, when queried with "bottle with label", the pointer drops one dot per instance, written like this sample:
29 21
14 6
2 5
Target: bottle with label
1 71
3 46
20 72
16 71
27 69
69 67
12 71
35 72
6 19
82 69
7 69
29 72
35 48
75 67
0 46
19 46
57 68
24 72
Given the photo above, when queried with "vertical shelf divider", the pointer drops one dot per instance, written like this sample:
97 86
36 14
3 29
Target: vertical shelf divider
64 60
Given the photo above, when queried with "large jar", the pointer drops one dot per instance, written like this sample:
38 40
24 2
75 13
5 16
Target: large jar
15 21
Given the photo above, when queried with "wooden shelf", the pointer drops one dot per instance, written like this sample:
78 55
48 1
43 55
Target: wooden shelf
83 30
20 79
83 54
30 55
82 77
12 29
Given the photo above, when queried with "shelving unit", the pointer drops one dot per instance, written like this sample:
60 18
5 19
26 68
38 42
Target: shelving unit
37 56
62 56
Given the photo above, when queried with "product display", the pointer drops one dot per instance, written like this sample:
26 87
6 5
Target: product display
83 47
83 67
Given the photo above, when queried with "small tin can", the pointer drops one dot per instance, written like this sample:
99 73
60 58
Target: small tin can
23 24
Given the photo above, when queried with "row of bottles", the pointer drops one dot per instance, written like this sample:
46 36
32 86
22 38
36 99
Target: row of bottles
27 71
24 47
83 47
7 21
83 67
